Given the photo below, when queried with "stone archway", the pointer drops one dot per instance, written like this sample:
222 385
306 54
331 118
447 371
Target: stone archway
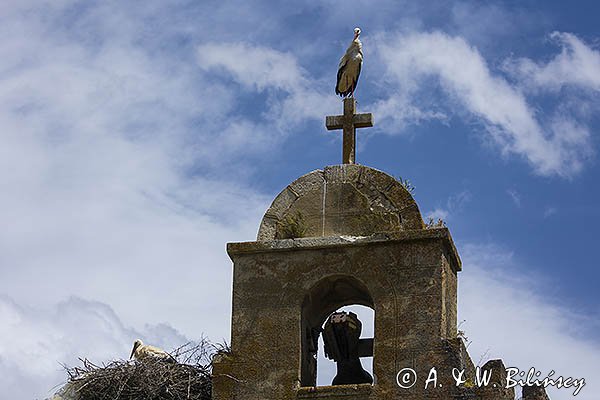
323 298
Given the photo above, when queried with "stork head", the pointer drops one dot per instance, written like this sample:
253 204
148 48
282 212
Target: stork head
356 32
136 344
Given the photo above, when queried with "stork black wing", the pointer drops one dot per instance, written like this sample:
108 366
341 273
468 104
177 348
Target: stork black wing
339 77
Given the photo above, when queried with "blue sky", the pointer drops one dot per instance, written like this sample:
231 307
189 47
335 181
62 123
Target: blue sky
137 138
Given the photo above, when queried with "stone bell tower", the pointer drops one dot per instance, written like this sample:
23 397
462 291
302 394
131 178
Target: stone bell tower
346 234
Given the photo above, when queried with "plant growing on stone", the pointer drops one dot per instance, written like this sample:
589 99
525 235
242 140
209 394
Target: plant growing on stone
432 223
406 184
292 226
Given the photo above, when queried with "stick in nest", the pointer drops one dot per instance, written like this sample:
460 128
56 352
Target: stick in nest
189 378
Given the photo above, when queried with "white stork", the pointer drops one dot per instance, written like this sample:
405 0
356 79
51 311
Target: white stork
349 69
143 351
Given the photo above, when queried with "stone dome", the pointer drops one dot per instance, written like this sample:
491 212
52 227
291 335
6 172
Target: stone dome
341 200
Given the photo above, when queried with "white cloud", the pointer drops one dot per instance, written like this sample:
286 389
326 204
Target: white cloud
253 66
514 196
550 211
399 111
454 205
36 342
507 317
103 140
121 181
457 201
262 69
549 146
438 213
577 64
478 21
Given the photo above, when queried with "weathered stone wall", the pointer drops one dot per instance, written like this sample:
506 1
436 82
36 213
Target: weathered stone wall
344 235
404 273
342 200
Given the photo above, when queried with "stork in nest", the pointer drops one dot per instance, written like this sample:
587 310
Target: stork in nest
143 351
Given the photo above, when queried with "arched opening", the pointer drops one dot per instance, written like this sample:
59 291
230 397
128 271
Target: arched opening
330 294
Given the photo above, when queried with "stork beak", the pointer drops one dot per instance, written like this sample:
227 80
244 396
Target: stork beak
132 351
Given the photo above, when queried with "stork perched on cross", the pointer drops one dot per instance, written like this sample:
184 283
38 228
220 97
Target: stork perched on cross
349 68
347 78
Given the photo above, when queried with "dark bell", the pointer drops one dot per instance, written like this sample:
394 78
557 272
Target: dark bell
341 336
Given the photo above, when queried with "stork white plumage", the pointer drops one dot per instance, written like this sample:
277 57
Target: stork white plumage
349 68
143 351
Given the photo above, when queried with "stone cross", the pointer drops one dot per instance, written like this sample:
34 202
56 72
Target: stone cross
348 123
